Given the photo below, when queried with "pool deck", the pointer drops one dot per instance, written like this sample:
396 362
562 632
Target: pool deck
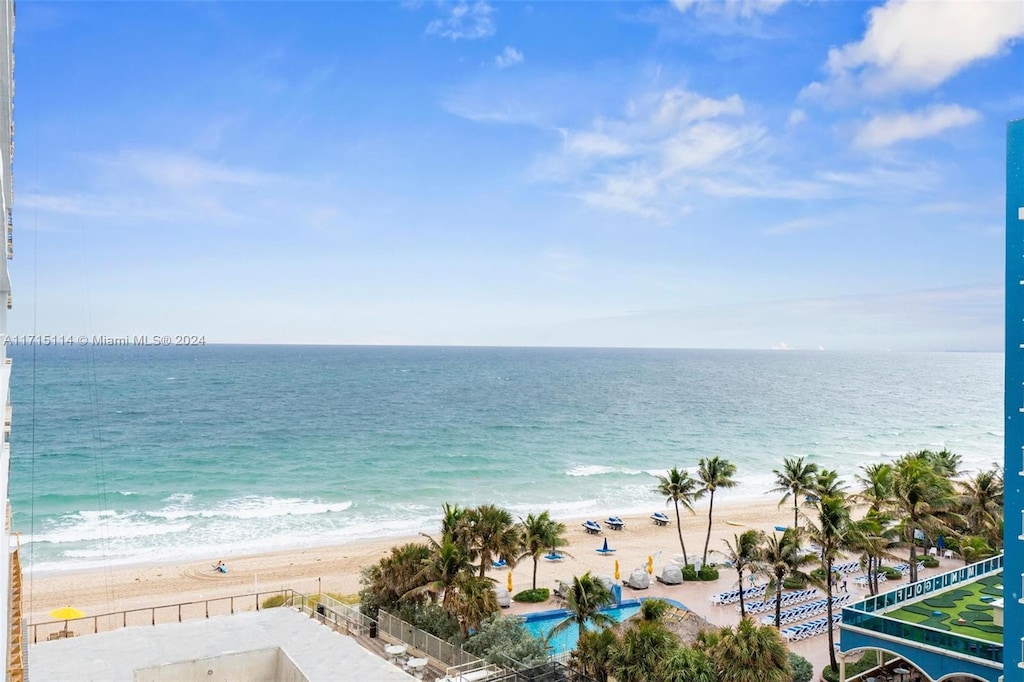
696 596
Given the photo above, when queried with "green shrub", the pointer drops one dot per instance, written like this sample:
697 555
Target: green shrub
867 661
818 574
707 573
794 582
803 671
930 562
502 639
689 573
891 573
536 596
273 602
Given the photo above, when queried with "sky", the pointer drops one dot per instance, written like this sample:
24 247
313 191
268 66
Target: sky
737 174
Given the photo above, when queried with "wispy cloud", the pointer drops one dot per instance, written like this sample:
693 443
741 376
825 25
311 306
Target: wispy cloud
885 130
733 8
791 226
465 21
796 117
176 169
919 45
510 56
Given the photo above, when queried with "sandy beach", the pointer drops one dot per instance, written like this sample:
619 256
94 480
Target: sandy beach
336 569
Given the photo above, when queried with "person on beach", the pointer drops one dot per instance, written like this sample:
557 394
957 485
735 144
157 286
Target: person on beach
221 567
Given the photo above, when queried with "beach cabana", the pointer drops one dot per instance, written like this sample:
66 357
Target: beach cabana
671 575
639 579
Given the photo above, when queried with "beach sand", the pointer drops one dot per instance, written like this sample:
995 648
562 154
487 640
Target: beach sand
336 569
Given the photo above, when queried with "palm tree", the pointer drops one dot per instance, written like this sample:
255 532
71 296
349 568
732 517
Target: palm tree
831 532
714 473
825 484
388 580
794 479
743 553
945 463
678 487
974 548
453 523
441 573
872 536
687 664
492 532
540 533
474 601
641 650
653 609
876 490
750 653
593 654
981 500
922 497
584 599
781 557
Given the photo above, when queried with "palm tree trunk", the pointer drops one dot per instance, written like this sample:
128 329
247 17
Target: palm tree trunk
913 553
796 513
743 610
828 623
778 601
707 539
535 572
679 527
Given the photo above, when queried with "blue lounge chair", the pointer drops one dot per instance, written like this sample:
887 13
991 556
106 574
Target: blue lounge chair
500 563
554 556
592 527
660 519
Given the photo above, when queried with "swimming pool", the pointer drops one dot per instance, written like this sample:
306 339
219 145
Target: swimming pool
540 624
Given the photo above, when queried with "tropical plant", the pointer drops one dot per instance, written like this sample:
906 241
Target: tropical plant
872 536
780 559
453 523
750 653
922 497
687 664
533 596
641 650
593 654
803 671
441 574
492 532
831 532
974 548
794 479
743 553
474 600
541 533
876 485
384 583
653 609
583 599
714 473
500 640
981 504
679 488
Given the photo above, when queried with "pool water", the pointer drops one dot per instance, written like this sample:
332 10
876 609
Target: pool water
541 624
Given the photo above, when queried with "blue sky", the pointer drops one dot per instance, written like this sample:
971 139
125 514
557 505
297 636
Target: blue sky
747 174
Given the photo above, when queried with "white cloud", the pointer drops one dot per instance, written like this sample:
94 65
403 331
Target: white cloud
510 56
732 8
797 225
650 159
919 45
464 20
175 169
796 117
886 130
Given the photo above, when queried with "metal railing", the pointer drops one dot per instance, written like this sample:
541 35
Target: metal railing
934 584
329 611
152 615
433 647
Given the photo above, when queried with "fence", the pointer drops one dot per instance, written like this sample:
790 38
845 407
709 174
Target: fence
433 647
153 615
330 611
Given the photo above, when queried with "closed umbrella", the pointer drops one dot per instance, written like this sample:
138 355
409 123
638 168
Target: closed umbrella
616 569
650 565
510 582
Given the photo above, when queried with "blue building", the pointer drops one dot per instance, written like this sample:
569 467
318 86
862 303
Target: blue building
1013 532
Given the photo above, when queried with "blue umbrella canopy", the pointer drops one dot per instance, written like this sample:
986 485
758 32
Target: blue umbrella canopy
605 548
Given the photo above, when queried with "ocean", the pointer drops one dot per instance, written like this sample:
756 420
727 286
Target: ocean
138 454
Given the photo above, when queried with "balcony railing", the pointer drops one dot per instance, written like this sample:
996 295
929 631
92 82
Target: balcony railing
936 583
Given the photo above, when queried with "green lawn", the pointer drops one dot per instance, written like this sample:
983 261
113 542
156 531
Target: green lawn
963 603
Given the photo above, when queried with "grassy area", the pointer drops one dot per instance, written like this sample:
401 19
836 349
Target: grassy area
965 610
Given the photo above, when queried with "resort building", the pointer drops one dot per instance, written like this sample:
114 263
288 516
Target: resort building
967 624
10 572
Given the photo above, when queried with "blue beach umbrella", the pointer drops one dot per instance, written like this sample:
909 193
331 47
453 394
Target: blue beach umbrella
941 542
605 547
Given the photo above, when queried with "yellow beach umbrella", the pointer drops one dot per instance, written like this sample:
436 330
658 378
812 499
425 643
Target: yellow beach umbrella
66 613
616 569
510 582
650 565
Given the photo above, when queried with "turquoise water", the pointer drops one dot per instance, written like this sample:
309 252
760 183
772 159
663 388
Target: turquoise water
541 624
123 455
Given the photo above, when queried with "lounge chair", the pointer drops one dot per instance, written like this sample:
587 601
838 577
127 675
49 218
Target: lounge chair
500 563
554 556
592 527
660 519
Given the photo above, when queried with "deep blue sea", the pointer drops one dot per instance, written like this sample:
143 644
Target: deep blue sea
133 454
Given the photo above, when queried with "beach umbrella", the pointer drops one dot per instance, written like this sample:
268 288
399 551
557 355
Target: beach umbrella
650 565
510 582
616 569
605 547
66 613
